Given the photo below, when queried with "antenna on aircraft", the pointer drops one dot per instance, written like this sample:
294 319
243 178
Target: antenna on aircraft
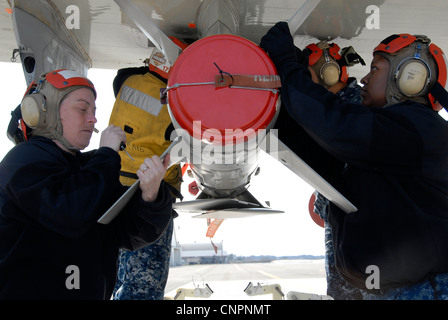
301 14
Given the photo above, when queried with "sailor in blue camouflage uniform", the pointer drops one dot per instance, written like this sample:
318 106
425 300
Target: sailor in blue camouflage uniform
388 158
435 287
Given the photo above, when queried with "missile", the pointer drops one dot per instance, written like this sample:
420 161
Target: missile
222 105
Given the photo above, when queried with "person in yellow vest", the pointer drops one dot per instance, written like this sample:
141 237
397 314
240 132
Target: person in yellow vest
143 274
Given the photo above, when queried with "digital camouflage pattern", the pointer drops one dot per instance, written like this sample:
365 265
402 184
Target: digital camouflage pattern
142 274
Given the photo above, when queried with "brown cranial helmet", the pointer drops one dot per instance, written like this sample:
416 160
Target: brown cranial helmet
40 108
416 66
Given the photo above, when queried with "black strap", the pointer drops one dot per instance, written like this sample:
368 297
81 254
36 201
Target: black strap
172 189
390 38
349 57
440 94
175 191
128 175
14 133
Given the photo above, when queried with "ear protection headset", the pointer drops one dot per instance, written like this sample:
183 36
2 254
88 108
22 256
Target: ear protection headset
416 67
323 59
38 107
32 106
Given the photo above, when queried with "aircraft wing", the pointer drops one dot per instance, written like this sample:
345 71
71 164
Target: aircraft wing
6 32
112 40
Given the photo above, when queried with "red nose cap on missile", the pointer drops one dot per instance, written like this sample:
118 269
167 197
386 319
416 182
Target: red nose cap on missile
221 110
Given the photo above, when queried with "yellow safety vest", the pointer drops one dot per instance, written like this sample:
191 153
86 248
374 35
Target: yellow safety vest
138 107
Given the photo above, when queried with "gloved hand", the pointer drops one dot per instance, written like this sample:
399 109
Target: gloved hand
279 44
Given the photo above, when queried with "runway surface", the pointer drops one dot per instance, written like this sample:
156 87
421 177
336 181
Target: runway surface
228 281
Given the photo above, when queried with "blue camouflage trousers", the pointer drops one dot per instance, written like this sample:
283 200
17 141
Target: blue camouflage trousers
142 274
433 287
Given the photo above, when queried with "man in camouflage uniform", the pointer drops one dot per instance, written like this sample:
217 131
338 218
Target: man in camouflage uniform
337 286
435 287
400 225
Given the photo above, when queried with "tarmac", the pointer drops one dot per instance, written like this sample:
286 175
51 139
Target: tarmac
278 280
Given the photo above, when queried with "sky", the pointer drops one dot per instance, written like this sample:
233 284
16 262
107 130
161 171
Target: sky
286 234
